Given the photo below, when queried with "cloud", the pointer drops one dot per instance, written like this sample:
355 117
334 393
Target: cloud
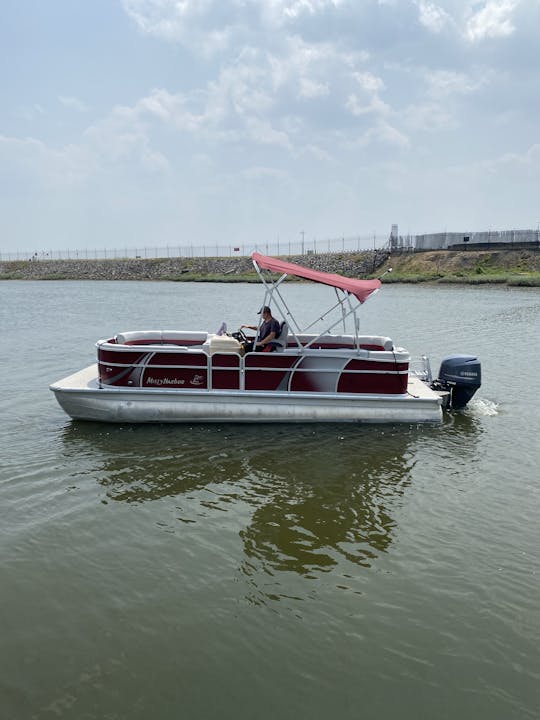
261 131
264 173
386 134
432 117
521 167
525 163
209 27
123 137
281 90
472 19
262 96
373 106
167 18
73 103
433 17
283 94
442 83
492 20
312 89
37 164
282 11
30 113
206 27
174 109
368 81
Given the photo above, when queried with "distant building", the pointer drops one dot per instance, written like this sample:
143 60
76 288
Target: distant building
394 238
400 243
462 240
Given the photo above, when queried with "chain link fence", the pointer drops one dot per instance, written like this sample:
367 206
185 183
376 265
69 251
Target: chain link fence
299 247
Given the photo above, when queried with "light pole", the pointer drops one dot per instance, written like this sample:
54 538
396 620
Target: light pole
302 233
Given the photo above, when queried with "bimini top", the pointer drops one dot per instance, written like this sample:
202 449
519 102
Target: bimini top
361 289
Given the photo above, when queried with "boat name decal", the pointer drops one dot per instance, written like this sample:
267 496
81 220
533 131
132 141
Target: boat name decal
197 380
165 381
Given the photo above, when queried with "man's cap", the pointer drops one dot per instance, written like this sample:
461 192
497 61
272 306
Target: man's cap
264 309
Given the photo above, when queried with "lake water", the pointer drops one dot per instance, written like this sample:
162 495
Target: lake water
269 571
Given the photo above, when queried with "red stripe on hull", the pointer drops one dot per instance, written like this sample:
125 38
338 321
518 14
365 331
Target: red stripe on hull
225 379
264 372
389 384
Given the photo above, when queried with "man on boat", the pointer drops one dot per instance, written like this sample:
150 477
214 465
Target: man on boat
268 331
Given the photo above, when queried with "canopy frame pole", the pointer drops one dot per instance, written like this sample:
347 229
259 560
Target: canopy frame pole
343 316
352 311
271 287
288 314
321 317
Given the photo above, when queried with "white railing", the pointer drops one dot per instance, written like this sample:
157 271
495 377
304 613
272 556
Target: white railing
421 368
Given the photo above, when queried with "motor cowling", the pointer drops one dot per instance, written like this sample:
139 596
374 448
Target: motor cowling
461 375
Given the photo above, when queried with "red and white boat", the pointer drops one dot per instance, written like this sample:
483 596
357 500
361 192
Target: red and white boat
192 376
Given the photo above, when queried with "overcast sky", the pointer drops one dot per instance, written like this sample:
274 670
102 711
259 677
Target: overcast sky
153 122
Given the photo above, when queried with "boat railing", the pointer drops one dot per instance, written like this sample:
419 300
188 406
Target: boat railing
421 368
218 369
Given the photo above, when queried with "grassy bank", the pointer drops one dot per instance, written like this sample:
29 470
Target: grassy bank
518 268
510 279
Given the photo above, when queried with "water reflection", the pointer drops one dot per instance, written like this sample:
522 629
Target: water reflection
309 521
316 497
142 463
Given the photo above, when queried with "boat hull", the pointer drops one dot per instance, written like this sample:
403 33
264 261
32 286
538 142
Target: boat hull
81 397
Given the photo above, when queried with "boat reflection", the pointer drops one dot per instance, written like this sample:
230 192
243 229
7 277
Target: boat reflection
309 521
140 463
315 497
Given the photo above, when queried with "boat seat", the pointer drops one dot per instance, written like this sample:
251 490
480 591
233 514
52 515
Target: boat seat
279 343
161 337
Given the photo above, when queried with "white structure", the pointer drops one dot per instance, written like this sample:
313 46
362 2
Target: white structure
399 243
486 238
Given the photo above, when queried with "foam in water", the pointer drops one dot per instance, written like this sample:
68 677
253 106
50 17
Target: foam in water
481 407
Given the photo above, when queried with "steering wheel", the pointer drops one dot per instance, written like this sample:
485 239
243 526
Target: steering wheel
240 336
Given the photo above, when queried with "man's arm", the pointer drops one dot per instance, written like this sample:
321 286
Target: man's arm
267 339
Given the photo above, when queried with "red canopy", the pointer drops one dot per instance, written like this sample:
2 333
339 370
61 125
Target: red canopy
361 289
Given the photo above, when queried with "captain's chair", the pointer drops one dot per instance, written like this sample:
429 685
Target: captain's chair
280 341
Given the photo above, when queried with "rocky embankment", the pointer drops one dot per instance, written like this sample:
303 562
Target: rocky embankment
514 267
227 269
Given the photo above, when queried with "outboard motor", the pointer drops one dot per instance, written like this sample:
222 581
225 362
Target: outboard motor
461 375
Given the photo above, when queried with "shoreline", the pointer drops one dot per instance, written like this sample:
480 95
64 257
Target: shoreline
515 268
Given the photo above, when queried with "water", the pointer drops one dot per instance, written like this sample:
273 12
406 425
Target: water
268 571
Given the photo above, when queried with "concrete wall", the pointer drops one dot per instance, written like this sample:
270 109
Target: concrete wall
486 238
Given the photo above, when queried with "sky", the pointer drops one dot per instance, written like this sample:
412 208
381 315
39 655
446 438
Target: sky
204 122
